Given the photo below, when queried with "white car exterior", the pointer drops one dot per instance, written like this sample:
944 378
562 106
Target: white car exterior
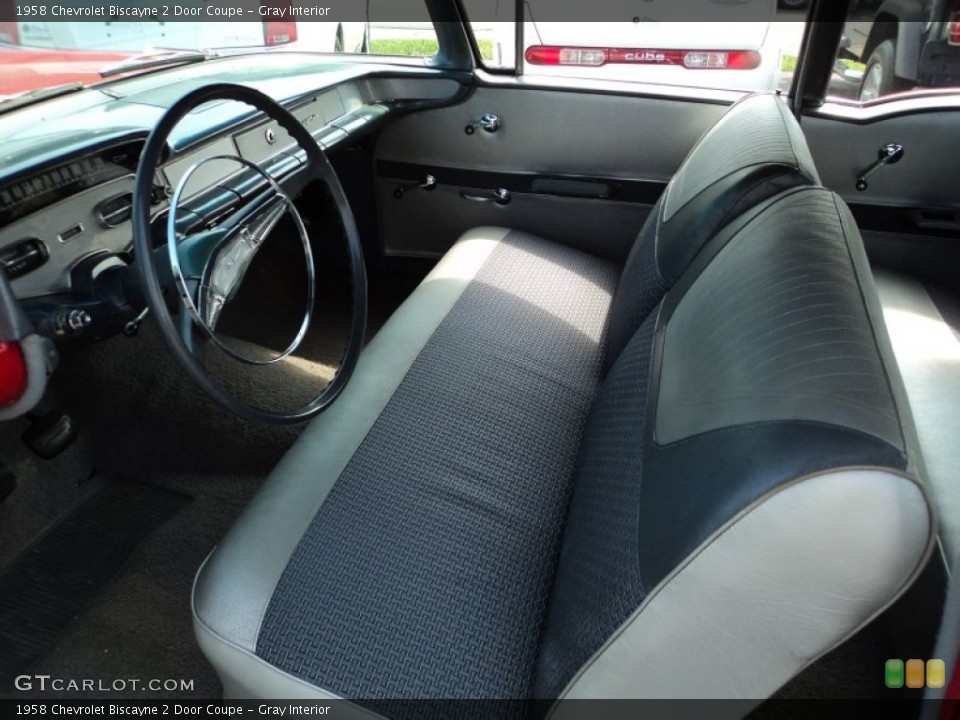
638 47
643 45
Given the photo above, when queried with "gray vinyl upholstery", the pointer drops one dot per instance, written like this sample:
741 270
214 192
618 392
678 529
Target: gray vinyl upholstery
759 130
555 478
237 582
754 152
803 354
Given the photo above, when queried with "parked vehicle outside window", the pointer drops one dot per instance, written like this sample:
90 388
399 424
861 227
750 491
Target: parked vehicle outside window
890 48
750 45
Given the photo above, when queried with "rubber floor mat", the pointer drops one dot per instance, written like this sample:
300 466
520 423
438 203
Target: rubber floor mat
58 576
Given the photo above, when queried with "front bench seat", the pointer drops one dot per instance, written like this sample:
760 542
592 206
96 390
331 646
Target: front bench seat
406 546
744 498
726 173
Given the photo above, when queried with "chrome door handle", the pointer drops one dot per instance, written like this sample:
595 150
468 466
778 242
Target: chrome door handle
500 196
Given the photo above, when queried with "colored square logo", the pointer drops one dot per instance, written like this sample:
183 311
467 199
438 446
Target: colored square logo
936 673
893 673
915 673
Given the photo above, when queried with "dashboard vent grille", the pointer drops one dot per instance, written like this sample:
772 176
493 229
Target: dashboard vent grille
23 257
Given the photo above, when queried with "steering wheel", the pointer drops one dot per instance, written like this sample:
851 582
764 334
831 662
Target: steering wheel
208 266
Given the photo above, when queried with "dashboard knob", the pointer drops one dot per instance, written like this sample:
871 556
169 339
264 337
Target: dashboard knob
71 321
159 193
78 319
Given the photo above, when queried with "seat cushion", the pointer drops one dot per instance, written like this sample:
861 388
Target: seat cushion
420 551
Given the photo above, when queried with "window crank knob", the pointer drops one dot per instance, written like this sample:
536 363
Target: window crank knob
889 154
488 122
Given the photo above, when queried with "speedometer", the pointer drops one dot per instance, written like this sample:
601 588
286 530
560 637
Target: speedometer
25 195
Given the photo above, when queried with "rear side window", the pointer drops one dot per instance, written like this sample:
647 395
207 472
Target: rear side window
400 28
494 30
891 49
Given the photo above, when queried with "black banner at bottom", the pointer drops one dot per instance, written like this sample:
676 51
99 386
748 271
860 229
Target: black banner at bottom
895 709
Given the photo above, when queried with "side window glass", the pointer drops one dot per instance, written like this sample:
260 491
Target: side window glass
893 48
494 30
399 28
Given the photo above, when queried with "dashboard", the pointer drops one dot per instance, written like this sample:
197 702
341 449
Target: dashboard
67 189
55 216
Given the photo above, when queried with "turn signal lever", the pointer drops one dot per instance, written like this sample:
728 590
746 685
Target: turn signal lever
132 289
889 154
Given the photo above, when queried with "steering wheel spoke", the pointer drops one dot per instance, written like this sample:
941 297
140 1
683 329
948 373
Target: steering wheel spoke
188 333
209 267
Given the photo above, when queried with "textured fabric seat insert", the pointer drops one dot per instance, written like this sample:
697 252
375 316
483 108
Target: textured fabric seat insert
438 587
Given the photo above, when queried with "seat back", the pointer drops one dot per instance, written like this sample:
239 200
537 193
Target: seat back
755 151
746 495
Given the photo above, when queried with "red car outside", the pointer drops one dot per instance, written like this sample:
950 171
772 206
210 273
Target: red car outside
23 69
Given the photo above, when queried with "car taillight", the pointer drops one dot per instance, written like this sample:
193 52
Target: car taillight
595 57
13 374
726 60
9 33
541 55
953 29
279 33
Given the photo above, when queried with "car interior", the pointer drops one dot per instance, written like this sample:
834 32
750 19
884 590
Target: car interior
365 378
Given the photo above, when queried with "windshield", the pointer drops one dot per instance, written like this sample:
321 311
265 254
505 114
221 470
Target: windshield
36 54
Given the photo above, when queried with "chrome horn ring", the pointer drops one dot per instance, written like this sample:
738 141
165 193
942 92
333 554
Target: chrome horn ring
224 271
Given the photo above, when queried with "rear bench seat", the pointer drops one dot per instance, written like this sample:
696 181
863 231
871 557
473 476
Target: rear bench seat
552 477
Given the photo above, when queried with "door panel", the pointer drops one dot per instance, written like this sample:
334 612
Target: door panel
842 149
426 224
581 168
909 215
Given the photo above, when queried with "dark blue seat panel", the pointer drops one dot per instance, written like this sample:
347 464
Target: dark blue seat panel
762 367
754 152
